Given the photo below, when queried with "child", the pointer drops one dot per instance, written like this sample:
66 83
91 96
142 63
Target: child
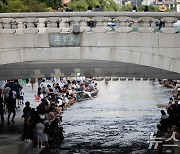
79 97
21 92
40 132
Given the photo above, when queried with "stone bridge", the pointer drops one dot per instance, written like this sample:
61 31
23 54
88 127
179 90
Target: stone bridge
55 44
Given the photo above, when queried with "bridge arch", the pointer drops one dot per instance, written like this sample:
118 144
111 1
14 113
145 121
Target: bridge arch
143 48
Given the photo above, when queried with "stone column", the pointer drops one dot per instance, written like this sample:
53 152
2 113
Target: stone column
78 21
6 26
1 26
169 25
146 24
30 26
20 25
100 27
123 24
41 25
135 25
64 25
84 26
52 24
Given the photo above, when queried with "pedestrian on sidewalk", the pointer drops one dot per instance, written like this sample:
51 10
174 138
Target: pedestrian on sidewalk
1 105
11 106
6 91
40 132
21 92
26 116
32 81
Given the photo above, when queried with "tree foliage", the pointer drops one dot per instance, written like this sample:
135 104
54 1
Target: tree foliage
22 6
35 6
75 5
126 7
54 4
82 5
15 6
2 6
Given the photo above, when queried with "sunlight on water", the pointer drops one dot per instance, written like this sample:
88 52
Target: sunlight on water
120 118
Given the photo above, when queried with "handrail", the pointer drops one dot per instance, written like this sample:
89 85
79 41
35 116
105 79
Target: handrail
89 14
50 22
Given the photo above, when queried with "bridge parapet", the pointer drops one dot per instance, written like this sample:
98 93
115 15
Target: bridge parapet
126 22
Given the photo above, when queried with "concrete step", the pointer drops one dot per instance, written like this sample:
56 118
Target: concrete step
99 78
130 79
28 146
35 151
138 79
107 78
115 78
13 148
122 78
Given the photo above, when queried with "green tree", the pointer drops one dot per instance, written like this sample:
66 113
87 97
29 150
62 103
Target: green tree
126 7
92 3
15 6
111 6
54 4
105 5
2 6
35 6
78 5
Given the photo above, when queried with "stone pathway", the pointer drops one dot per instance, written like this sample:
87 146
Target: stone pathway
10 135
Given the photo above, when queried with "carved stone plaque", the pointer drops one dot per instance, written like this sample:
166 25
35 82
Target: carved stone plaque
64 40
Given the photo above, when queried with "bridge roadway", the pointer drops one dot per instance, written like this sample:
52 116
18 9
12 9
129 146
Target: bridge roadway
135 47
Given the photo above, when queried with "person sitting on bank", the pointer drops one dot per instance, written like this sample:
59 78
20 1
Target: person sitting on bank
163 115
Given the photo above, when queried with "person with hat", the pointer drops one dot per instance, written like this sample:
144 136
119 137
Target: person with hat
162 8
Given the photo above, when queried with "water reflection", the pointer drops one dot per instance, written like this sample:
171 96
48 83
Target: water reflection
118 120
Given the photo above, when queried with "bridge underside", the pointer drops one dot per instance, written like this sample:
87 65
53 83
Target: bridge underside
88 68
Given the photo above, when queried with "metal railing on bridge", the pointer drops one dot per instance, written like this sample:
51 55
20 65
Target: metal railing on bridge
123 22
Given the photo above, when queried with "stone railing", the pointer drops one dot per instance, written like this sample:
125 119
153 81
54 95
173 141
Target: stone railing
53 22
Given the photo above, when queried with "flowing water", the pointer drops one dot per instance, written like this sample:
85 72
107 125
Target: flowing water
119 120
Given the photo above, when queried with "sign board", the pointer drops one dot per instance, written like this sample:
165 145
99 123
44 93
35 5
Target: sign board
64 40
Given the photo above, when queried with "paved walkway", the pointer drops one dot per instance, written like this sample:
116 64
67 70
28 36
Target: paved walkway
10 135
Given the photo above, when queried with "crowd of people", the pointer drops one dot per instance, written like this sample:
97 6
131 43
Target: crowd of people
11 98
169 125
66 9
42 125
